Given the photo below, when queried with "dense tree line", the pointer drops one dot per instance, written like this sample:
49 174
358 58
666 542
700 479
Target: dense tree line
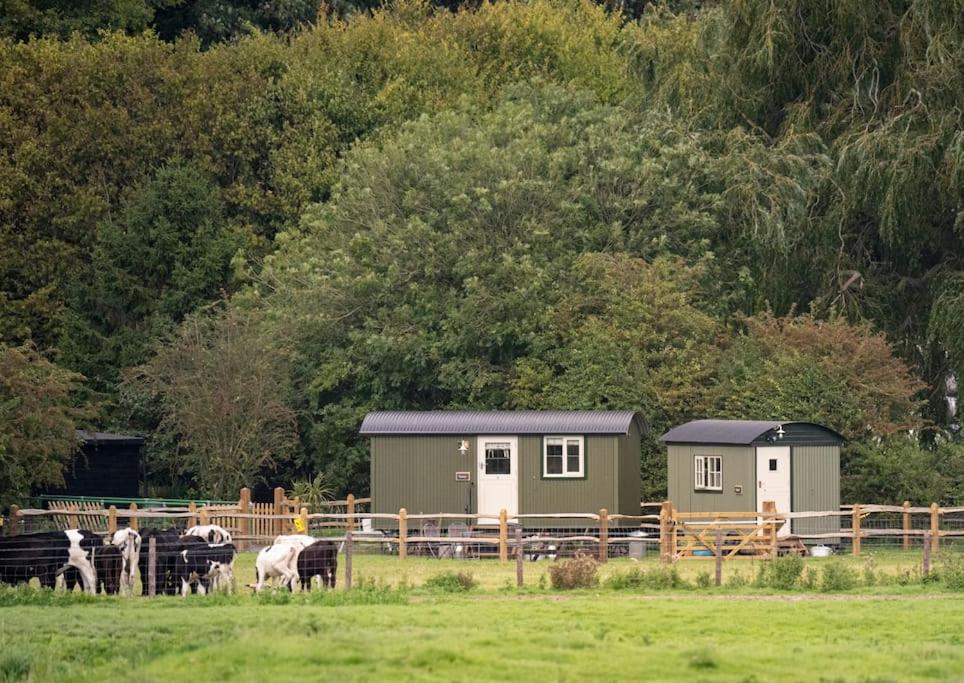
738 209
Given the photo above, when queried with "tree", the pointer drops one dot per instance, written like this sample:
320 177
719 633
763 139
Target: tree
38 422
165 255
798 367
221 393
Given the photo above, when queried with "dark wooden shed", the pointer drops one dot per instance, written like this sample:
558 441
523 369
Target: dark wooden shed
106 466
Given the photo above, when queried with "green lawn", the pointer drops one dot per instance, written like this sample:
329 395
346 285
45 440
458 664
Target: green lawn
877 633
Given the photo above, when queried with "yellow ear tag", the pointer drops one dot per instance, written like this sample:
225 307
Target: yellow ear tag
299 525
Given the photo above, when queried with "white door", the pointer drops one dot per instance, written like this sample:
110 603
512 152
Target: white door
773 480
498 466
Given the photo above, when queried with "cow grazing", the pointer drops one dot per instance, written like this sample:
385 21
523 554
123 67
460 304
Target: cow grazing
199 566
47 555
128 541
212 533
318 559
108 565
277 562
166 546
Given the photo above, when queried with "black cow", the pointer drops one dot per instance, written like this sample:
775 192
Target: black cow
108 564
167 545
46 555
198 564
318 559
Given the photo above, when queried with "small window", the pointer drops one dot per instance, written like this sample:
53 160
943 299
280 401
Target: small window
563 456
709 472
773 464
498 458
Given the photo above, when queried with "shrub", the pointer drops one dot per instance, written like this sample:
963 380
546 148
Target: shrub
784 572
658 578
808 580
952 571
737 580
869 575
837 577
703 580
452 582
580 571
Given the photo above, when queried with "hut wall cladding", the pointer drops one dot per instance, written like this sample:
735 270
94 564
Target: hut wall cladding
597 490
418 474
105 469
630 479
815 486
738 470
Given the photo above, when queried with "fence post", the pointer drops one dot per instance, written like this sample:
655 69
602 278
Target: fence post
279 501
926 563
518 556
503 535
14 527
935 527
193 519
350 511
906 516
112 519
133 522
72 522
303 516
203 518
348 545
665 518
244 523
719 556
603 535
769 516
151 567
855 525
402 534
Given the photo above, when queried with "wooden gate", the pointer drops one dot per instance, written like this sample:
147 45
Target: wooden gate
701 535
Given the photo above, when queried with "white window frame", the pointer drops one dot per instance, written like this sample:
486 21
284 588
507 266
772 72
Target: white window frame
566 473
705 476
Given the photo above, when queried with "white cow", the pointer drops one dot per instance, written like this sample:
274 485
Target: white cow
277 562
212 533
129 542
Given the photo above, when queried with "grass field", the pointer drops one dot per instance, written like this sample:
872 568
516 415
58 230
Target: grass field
872 633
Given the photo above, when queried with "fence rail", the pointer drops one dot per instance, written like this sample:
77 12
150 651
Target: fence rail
679 535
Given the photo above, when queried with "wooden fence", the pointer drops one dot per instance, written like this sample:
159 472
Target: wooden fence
248 522
679 535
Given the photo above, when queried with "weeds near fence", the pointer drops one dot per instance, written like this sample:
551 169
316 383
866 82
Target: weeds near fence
452 582
14 666
15 596
657 578
581 571
781 573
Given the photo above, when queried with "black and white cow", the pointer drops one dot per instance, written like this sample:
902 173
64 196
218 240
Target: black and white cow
167 545
212 533
108 564
47 555
318 559
199 565
128 541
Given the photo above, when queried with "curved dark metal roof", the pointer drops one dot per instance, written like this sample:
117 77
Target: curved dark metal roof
737 432
500 422
106 437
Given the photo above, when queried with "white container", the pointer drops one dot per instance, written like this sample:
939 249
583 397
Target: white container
637 549
821 551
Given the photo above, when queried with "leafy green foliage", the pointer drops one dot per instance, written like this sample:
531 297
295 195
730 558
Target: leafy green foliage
221 397
37 422
452 582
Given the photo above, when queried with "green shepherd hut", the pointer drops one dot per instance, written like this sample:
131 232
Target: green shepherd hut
522 461
736 465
